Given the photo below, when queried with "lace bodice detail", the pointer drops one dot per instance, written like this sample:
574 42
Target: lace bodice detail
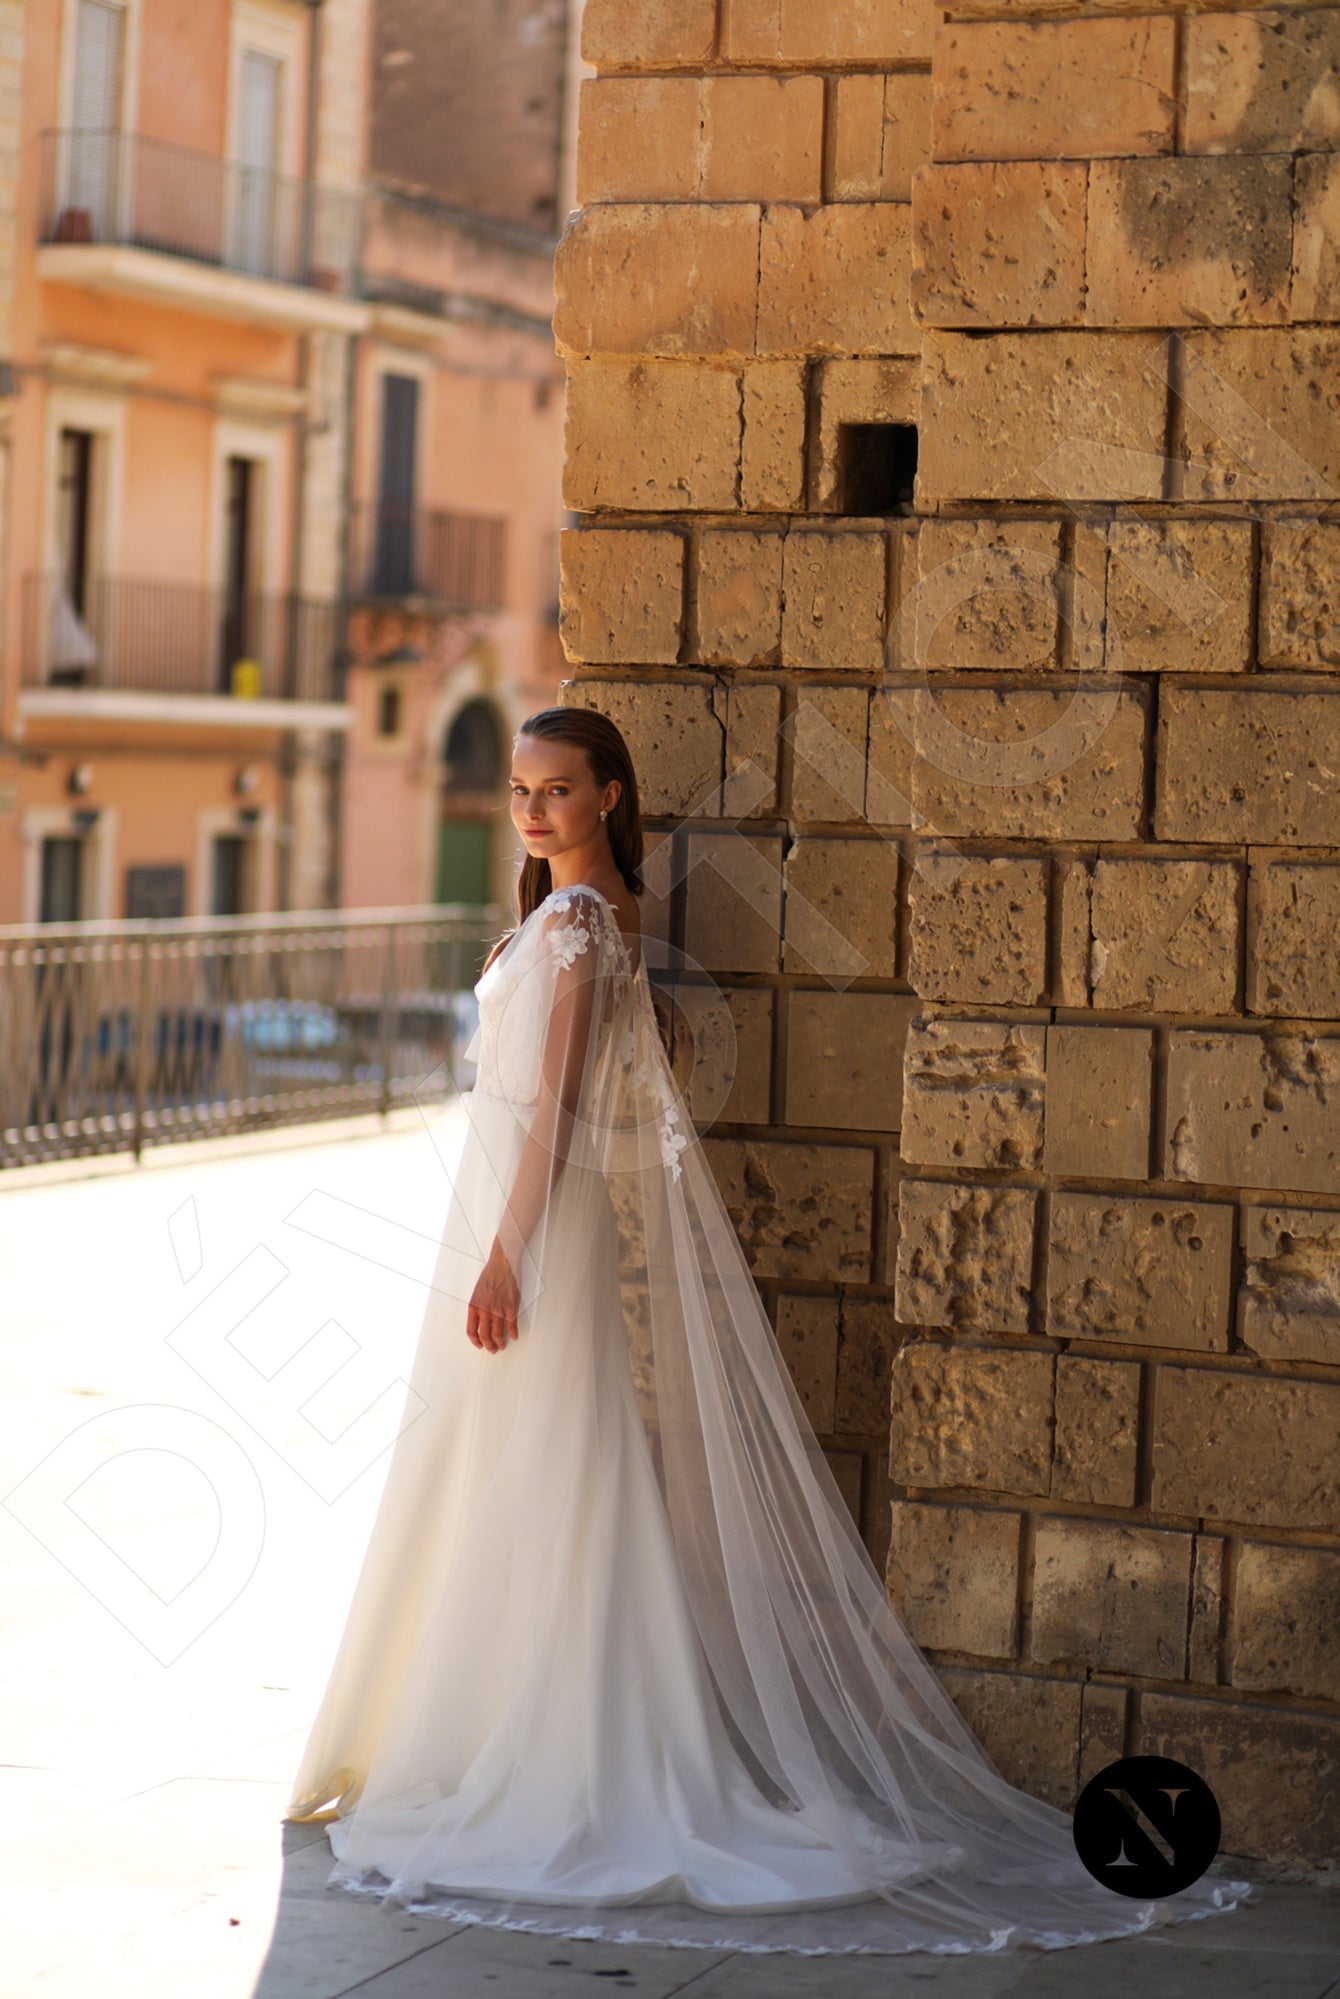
508 1045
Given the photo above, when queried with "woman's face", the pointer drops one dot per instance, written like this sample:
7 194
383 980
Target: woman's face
555 799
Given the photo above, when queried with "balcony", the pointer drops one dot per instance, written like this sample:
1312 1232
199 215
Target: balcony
141 219
152 651
456 562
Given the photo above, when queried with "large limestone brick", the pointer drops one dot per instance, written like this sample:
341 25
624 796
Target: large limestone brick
1293 920
1095 1454
1179 596
881 134
844 1059
647 34
841 908
739 598
1099 1084
1110 1596
825 31
621 595
1289 1811
999 243
1254 1110
1286 1624
1165 935
800 1211
700 138
985 594
1037 416
953 1576
1258 414
1144 1272
1289 1300
1030 90
972 1416
1254 764
834 591
1246 1449
973 1093
651 435
1262 81
834 280
965 1255
978 929
1179 242
658 278
1031 763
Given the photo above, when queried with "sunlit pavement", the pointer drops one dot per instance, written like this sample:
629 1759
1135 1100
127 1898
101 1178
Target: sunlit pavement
204 1361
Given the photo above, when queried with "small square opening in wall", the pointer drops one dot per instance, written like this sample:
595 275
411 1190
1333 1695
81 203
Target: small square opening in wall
877 463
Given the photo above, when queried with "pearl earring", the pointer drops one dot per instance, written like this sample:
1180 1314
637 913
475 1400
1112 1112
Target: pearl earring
602 811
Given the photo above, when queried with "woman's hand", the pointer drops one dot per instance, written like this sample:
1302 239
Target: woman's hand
492 1311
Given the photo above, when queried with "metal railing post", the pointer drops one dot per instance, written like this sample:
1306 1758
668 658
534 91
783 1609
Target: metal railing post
142 1048
388 1001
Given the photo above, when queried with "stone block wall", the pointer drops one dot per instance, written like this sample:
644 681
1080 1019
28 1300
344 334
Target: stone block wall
1005 815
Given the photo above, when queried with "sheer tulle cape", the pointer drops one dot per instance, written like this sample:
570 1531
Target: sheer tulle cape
581 1157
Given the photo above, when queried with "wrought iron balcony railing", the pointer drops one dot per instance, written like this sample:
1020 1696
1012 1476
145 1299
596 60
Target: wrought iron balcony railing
148 637
457 560
117 187
117 1035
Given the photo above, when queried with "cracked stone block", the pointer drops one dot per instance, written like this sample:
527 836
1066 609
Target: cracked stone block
973 1093
978 929
1143 1271
965 1255
1111 1597
953 1576
1097 1431
1293 919
673 734
1165 935
1244 1448
800 1211
1099 1083
971 1416
1024 90
1254 1110
1286 1624
1289 1300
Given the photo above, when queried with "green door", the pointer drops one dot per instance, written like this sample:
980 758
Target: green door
464 861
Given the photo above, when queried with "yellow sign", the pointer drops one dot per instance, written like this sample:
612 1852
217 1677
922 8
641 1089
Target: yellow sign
246 679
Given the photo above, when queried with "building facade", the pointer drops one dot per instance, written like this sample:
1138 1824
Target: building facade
453 580
951 421
281 433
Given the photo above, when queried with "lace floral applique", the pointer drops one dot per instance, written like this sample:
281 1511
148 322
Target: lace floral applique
568 942
653 1073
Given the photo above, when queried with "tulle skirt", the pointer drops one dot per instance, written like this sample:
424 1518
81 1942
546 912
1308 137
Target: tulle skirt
520 1727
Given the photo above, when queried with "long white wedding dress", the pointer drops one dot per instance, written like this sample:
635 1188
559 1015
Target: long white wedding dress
618 1664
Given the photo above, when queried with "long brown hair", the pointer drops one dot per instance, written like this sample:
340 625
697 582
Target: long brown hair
607 754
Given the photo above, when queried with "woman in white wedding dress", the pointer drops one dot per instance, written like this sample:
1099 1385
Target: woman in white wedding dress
617 1663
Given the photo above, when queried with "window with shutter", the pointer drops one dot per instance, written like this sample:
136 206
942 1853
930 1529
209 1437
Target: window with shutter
394 561
95 138
257 162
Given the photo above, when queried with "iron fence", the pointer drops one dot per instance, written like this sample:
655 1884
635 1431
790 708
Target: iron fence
118 1035
458 560
117 187
137 633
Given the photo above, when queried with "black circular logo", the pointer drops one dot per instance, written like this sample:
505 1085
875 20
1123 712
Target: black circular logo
1146 1826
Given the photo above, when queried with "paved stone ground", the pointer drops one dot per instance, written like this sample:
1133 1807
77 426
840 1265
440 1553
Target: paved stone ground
186 1502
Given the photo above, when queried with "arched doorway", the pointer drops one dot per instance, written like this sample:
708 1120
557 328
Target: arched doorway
472 775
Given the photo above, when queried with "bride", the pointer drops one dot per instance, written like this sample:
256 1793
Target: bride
618 1664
